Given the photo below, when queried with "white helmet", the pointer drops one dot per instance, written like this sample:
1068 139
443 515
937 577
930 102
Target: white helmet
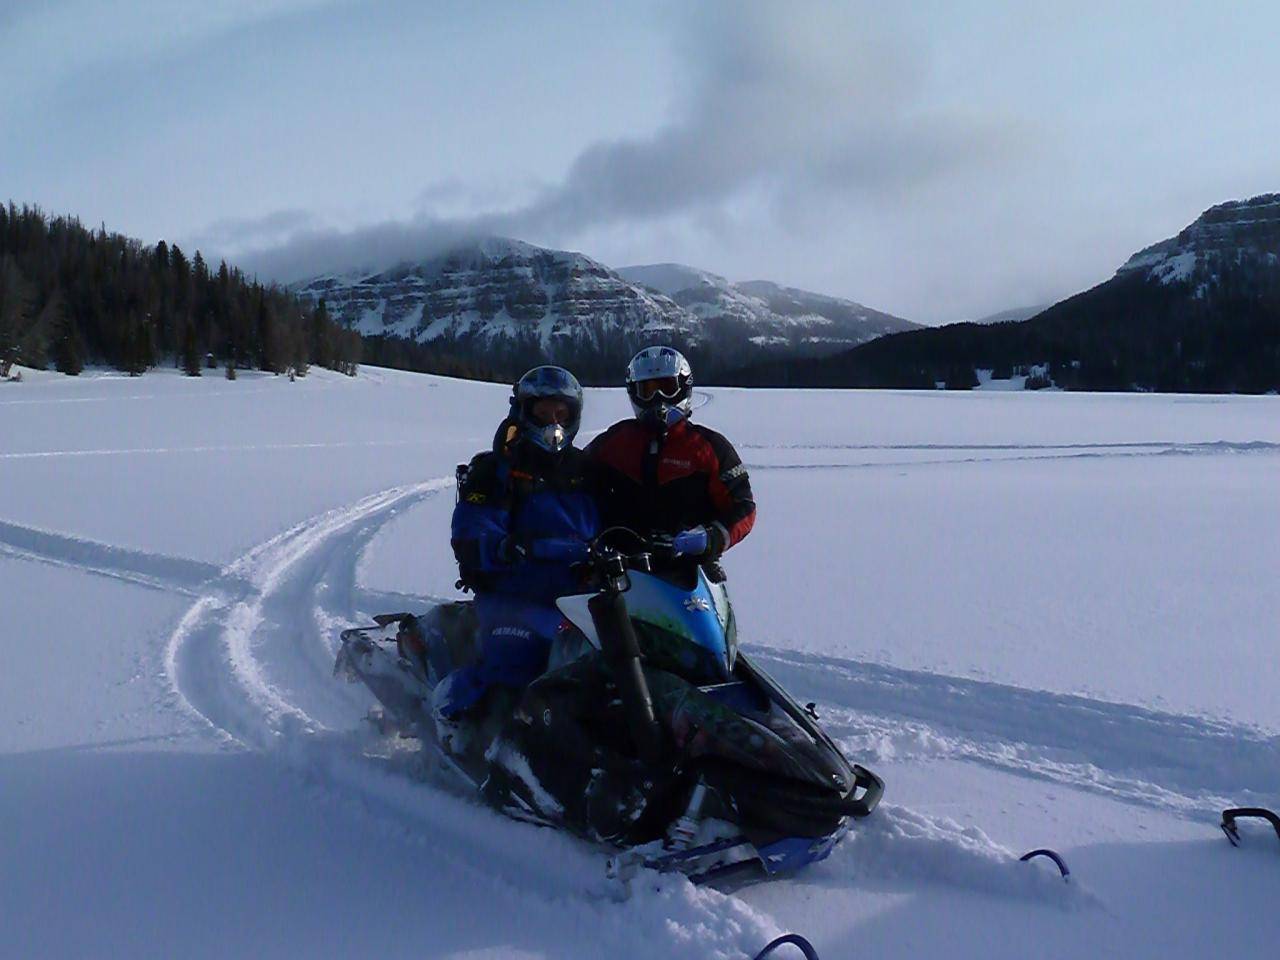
660 385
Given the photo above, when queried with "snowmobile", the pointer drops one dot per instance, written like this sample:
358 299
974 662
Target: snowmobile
650 731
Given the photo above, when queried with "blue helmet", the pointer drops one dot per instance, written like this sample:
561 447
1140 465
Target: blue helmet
660 385
538 383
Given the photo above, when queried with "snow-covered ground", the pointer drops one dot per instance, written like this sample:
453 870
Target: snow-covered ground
1045 619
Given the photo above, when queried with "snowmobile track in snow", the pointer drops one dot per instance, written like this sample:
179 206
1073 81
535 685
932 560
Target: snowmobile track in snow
252 657
256 667
970 454
243 662
1186 764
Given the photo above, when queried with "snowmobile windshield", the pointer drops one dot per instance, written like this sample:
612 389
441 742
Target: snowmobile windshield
681 627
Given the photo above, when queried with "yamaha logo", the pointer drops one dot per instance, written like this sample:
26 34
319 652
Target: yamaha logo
694 604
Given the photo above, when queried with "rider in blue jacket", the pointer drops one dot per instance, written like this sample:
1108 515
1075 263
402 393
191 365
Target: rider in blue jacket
524 518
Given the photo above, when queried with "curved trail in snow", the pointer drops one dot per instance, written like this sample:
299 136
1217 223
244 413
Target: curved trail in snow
256 665
1188 765
252 659
257 669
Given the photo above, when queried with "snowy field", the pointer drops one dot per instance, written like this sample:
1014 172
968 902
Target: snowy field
1044 619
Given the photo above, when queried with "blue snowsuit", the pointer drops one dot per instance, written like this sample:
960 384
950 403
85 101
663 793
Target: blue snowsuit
520 524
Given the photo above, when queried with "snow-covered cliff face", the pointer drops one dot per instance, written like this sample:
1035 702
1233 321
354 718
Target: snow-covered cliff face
496 288
513 298
1240 233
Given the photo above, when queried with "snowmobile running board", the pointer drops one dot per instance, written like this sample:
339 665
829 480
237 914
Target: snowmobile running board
1229 818
728 860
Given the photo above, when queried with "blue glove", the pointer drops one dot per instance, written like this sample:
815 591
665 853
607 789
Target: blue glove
563 549
691 543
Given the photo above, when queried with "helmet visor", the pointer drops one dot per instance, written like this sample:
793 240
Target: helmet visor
666 387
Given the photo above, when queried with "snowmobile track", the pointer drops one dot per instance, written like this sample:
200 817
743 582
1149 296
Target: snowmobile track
252 659
1188 765
241 661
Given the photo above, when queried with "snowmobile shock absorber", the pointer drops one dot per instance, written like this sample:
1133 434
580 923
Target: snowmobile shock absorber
621 649
685 829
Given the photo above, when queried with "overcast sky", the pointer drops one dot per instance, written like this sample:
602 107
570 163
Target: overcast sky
939 160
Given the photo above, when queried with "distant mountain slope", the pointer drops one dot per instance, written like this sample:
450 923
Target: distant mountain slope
497 289
1013 314
793 321
1238 234
670 278
494 307
1197 312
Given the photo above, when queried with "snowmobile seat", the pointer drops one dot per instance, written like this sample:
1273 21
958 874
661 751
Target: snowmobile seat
449 630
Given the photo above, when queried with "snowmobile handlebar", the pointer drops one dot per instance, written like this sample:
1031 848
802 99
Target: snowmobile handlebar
618 639
630 549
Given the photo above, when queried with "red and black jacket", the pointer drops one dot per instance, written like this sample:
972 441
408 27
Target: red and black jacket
689 477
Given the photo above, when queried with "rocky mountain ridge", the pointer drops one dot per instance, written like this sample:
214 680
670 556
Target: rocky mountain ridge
505 304
493 287
1240 233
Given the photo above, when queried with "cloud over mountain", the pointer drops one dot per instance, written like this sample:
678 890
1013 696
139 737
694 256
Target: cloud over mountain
790 108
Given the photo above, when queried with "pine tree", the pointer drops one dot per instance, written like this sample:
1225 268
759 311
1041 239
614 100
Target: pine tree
15 308
68 350
191 353
33 347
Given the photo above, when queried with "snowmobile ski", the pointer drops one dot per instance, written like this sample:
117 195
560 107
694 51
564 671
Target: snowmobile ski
1049 855
1229 818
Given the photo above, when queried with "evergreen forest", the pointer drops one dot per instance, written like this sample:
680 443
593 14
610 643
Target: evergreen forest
71 296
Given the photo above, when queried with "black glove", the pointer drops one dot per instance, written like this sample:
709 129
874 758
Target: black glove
512 550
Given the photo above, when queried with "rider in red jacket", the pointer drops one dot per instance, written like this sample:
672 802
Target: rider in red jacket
666 477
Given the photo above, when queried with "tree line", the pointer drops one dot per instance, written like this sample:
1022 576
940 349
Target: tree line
71 296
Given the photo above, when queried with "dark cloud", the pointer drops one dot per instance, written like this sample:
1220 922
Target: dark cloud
807 103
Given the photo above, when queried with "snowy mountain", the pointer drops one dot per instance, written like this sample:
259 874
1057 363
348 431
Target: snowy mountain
1230 236
503 299
1196 312
671 278
497 305
789 320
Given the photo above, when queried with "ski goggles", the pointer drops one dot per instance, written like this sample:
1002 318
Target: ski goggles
666 387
